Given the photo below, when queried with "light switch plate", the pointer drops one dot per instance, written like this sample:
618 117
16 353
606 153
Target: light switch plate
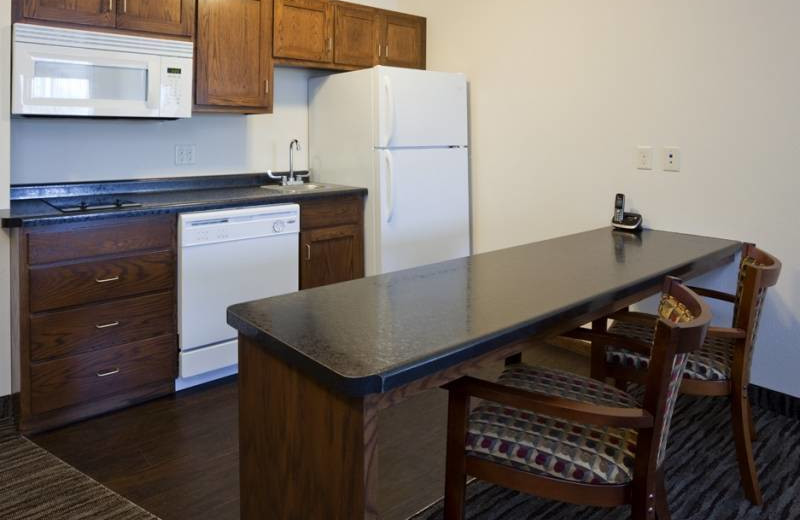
672 159
644 158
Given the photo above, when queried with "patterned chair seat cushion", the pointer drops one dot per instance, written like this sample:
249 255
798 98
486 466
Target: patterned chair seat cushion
711 362
550 446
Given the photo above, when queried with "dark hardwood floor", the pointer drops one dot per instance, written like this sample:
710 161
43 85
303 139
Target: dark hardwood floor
178 457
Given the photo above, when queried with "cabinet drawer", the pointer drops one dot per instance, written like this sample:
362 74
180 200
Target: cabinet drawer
98 326
92 376
330 212
86 282
72 244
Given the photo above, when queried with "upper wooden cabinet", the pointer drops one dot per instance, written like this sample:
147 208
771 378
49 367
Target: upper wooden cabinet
402 40
100 13
356 35
172 17
157 16
329 34
233 57
304 30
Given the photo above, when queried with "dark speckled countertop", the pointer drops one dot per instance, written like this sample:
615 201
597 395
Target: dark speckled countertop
156 196
378 333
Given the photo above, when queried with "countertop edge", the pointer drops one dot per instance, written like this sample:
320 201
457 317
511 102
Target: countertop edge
416 369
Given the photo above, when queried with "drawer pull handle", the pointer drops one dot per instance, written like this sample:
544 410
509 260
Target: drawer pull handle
106 280
107 325
107 373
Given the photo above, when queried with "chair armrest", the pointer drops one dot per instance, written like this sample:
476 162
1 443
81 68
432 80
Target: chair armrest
717 295
569 409
608 338
727 333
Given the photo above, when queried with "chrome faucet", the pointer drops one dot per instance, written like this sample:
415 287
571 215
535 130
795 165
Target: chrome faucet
291 158
293 178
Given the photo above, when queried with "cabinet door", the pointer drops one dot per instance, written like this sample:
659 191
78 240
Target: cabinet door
87 12
234 54
331 255
355 42
304 30
157 16
403 40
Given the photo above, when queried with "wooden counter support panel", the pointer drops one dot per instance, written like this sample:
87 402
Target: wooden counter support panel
312 452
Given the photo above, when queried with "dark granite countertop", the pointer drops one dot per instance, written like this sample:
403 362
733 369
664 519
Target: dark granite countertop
378 333
156 196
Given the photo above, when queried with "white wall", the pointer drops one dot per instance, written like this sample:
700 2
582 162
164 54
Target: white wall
563 92
53 150
5 296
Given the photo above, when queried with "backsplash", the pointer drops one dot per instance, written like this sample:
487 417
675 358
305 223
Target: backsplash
72 150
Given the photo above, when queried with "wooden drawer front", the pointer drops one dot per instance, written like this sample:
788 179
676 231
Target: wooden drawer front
86 282
102 325
330 212
95 375
71 244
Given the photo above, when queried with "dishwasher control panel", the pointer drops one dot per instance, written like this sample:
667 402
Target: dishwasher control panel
208 227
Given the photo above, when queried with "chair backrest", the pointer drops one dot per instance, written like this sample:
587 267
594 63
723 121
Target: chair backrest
758 271
683 322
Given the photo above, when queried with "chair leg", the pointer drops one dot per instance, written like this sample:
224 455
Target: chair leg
753 429
598 352
456 463
741 420
662 501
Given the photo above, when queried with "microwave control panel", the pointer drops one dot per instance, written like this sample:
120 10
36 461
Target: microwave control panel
176 87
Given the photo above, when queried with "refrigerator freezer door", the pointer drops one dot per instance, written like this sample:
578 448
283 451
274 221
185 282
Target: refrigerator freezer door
418 108
422 214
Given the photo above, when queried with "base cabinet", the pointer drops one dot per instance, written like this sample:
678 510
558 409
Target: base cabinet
331 242
95 318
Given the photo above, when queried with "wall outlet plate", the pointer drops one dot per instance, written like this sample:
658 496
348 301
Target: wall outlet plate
644 158
672 159
185 154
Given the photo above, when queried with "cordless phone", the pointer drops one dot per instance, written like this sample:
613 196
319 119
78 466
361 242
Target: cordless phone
623 220
619 208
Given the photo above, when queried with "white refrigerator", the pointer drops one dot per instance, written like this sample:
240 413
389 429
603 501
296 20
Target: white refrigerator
403 135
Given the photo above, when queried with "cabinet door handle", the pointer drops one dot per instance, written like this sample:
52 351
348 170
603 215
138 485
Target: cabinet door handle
124 6
110 6
387 51
330 44
106 280
308 252
107 325
106 373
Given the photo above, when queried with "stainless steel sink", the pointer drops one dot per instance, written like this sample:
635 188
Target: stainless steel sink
294 188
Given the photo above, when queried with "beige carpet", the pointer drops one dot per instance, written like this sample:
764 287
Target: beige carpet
35 484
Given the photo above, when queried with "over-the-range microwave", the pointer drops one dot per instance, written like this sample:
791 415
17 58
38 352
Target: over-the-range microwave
69 72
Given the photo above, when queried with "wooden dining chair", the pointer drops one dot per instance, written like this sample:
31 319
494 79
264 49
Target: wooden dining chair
720 367
571 438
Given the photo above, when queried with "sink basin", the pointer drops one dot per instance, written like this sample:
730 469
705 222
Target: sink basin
296 188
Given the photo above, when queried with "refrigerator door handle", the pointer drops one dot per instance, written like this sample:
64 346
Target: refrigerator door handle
390 112
390 191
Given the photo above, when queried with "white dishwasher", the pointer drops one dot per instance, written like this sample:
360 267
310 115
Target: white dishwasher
227 257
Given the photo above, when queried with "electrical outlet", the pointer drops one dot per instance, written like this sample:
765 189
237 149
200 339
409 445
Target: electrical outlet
644 158
672 159
185 154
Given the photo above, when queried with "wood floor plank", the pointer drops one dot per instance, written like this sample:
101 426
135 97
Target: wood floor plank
178 457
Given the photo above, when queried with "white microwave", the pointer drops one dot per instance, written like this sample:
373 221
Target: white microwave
69 72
